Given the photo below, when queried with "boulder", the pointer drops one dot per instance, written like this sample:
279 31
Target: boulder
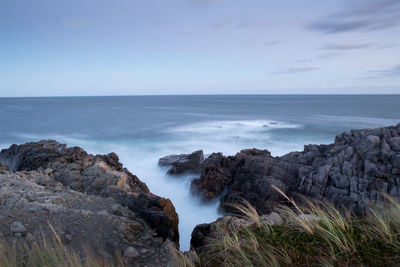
271 219
202 233
17 227
183 163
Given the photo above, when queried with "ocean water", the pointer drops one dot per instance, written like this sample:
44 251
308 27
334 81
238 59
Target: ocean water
141 129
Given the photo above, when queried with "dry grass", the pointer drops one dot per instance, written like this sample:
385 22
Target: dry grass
336 239
51 253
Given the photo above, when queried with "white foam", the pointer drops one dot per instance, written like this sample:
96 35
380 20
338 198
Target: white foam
229 137
141 158
211 127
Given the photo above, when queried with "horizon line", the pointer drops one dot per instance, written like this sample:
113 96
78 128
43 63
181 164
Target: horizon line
237 94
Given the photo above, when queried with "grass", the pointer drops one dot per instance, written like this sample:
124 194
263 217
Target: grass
48 254
336 239
51 253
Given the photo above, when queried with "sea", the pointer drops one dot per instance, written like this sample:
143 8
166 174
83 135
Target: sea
141 129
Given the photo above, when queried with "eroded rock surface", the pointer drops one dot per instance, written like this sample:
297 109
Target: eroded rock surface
31 203
90 193
183 163
355 171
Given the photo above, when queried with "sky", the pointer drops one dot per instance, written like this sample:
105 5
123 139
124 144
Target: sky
147 47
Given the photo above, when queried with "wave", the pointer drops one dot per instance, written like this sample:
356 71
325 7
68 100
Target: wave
231 136
211 127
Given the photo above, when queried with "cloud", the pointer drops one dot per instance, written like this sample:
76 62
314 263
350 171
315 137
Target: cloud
328 55
221 23
387 46
297 69
119 75
188 30
345 46
244 24
362 15
271 43
236 23
394 71
202 2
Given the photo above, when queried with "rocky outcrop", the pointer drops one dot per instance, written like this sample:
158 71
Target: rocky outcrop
183 163
355 172
215 175
33 204
100 175
203 234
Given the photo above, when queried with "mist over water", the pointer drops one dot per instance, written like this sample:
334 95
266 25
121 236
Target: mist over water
143 129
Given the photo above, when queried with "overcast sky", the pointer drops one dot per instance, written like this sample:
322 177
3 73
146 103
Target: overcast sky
128 47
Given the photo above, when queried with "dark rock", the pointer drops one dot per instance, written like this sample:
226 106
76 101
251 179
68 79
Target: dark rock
183 163
101 175
203 233
3 167
355 171
83 221
17 227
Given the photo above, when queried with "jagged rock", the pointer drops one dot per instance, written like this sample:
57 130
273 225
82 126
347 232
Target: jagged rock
214 177
101 175
89 218
183 163
355 171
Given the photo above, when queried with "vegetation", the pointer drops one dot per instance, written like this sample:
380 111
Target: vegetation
50 254
336 239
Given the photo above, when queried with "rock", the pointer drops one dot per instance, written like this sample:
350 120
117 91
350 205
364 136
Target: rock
101 175
71 165
30 238
103 213
272 219
3 168
130 254
17 227
68 237
309 217
355 171
193 257
38 192
214 178
184 163
203 232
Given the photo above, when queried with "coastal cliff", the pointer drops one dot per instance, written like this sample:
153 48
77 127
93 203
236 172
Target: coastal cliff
355 172
89 200
92 201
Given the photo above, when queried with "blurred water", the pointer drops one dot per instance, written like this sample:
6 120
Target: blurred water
141 129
